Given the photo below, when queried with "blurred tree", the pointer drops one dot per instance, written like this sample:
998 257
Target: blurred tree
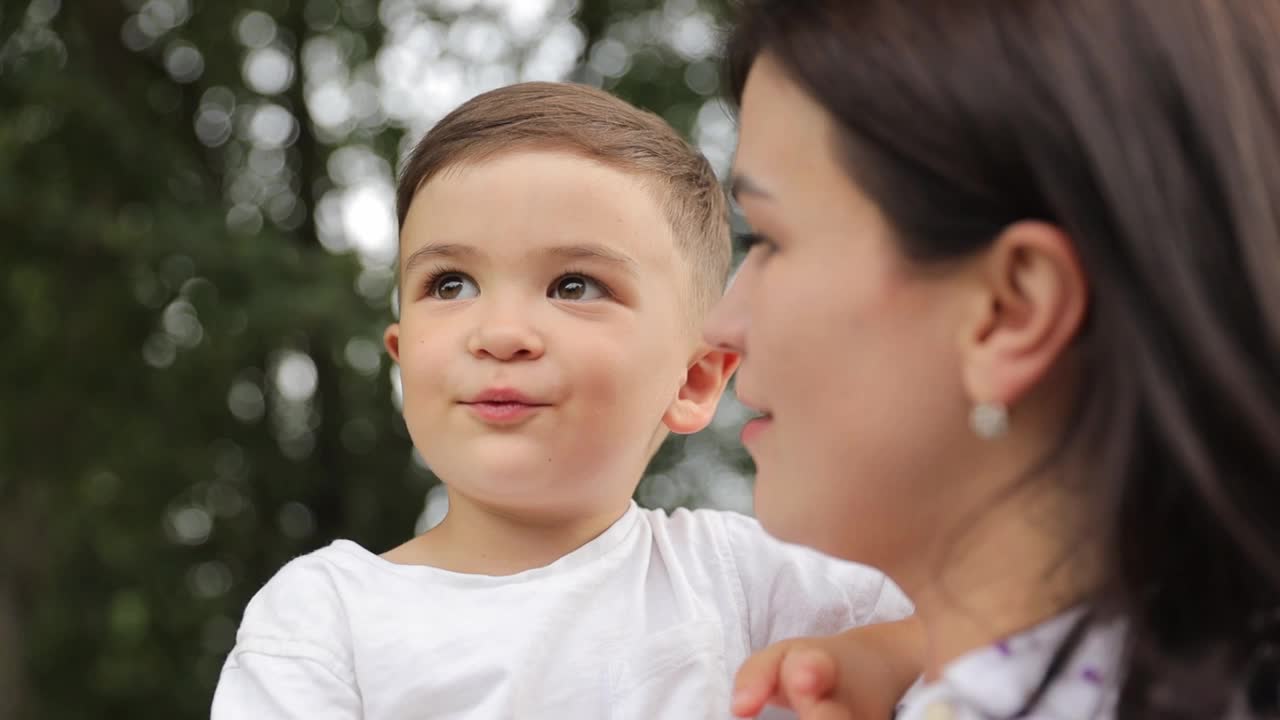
194 276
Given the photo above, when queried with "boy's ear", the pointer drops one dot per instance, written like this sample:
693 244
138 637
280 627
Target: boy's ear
704 383
391 338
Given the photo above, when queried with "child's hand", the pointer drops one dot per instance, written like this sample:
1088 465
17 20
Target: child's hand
798 674
859 674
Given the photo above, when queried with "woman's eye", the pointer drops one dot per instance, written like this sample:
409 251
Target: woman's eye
746 240
453 286
750 242
575 287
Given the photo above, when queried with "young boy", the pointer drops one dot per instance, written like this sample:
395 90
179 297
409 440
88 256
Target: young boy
559 248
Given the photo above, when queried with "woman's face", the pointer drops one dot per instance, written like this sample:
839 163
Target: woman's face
851 352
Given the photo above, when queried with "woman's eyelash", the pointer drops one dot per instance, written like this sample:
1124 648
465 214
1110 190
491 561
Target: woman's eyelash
747 240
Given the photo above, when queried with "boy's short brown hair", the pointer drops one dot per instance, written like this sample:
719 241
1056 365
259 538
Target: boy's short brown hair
598 126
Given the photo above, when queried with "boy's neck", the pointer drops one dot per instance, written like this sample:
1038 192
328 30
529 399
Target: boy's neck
480 540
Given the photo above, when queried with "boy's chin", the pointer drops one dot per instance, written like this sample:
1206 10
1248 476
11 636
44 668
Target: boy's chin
543 504
512 483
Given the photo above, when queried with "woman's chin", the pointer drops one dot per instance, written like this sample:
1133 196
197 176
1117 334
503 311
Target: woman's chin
782 515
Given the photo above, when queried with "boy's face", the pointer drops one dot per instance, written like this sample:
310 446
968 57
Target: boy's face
544 332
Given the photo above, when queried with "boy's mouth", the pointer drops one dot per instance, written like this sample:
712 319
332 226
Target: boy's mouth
502 395
503 406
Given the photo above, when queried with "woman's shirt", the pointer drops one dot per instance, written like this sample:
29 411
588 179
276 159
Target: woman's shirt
997 681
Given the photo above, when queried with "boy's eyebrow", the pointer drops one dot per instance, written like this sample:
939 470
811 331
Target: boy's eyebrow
437 250
594 252
582 251
743 185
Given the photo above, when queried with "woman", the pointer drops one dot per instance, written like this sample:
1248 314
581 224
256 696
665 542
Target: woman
1011 320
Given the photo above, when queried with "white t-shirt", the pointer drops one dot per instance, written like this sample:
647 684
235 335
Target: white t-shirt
648 621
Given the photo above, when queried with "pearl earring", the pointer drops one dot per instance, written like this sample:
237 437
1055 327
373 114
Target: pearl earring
989 420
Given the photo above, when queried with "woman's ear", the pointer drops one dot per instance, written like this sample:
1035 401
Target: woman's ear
1032 303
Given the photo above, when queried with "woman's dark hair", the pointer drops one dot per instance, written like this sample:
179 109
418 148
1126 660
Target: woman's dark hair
1150 131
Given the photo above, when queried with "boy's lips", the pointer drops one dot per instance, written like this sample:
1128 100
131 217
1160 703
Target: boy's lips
502 406
502 395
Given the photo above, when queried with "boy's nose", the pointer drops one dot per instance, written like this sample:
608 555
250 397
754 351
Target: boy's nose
505 339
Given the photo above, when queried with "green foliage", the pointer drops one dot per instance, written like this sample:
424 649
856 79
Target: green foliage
194 388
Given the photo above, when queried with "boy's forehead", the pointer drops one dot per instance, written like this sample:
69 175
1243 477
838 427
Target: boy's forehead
530 200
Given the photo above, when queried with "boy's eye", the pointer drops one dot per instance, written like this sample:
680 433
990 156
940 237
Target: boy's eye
575 287
453 286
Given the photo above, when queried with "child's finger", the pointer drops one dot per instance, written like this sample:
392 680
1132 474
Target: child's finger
756 682
807 677
827 710
750 700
